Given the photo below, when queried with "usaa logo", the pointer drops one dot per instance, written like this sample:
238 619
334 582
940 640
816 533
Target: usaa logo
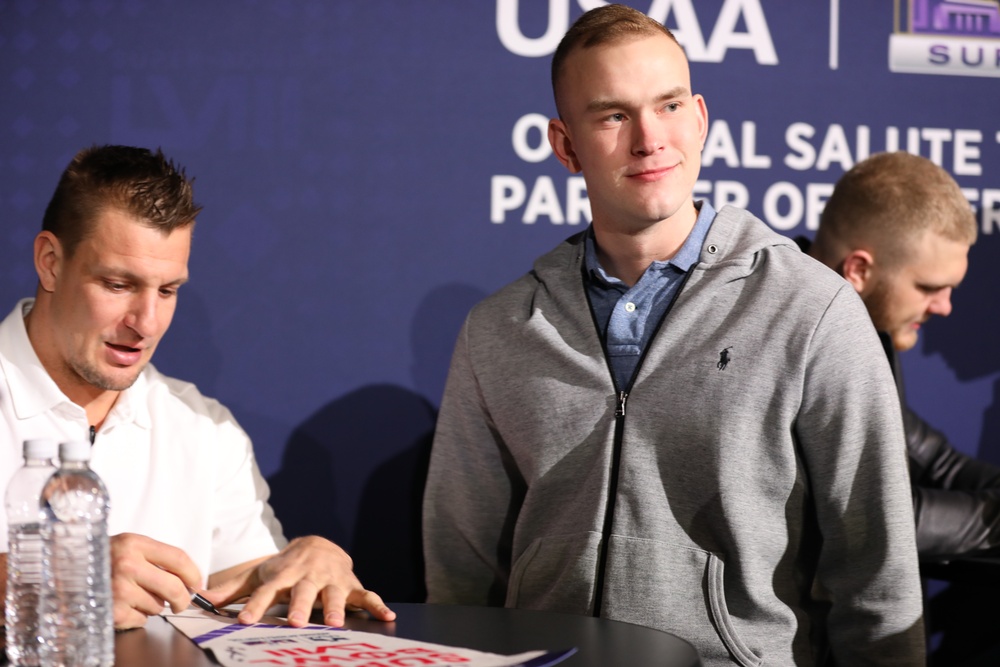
741 24
959 37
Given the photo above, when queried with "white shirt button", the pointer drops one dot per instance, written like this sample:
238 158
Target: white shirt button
629 307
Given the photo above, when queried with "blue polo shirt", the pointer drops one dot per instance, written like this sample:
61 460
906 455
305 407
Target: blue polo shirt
628 316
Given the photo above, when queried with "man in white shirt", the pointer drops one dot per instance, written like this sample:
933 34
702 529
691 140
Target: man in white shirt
189 505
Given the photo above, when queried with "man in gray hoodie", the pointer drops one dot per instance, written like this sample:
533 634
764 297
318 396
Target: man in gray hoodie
676 418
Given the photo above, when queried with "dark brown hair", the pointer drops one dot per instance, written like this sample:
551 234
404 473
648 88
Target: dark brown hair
135 181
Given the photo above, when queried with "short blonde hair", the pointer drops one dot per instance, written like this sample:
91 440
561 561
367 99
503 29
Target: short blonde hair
603 25
886 202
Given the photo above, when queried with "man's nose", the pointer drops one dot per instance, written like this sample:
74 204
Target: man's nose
143 313
647 135
941 303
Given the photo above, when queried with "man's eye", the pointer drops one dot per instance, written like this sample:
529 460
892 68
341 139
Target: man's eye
616 117
115 287
672 106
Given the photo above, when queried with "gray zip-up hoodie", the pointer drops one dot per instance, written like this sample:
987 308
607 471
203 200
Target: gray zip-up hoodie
748 494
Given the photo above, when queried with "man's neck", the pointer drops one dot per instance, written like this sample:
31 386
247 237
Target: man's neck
99 408
626 254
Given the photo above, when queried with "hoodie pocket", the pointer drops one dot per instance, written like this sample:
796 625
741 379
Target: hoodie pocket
678 589
556 574
720 612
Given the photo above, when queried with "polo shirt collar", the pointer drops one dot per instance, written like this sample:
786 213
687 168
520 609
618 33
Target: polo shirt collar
686 257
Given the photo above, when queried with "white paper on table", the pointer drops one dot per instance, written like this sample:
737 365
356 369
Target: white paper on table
278 644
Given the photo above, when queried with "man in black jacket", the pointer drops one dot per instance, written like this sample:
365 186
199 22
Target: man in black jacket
898 228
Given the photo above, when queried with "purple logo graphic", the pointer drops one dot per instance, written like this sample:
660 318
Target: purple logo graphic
957 37
969 18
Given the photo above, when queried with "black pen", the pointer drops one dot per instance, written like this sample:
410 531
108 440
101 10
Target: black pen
200 601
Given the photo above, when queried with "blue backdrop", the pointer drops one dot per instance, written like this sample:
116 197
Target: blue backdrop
369 170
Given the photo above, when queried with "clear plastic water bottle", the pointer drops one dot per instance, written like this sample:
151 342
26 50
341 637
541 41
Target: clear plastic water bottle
75 618
24 558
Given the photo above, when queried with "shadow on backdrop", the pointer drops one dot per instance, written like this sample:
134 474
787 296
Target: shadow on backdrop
988 442
354 471
967 338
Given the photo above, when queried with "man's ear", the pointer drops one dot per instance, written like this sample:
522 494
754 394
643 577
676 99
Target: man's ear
562 145
701 110
857 269
48 259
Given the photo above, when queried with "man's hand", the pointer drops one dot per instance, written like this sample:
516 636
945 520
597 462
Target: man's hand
308 570
146 575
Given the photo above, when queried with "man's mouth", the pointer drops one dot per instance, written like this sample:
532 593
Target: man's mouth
123 355
651 174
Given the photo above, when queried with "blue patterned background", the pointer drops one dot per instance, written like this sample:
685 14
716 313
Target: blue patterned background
346 155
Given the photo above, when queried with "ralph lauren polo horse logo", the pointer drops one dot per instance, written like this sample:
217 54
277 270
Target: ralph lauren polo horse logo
724 359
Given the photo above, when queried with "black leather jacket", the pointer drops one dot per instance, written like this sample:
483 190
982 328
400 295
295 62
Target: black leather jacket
956 498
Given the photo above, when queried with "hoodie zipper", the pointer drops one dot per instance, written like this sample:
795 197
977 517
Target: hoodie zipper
616 450
609 512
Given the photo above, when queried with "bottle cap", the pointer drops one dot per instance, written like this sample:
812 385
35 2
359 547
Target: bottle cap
40 448
74 450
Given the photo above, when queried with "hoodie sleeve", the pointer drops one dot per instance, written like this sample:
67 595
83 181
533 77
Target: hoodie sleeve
471 498
850 430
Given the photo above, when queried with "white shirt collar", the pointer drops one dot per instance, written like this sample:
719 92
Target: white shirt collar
33 392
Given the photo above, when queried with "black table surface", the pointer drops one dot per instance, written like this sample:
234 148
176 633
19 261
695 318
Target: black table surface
505 631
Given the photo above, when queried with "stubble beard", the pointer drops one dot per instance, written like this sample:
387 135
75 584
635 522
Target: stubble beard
92 376
878 305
